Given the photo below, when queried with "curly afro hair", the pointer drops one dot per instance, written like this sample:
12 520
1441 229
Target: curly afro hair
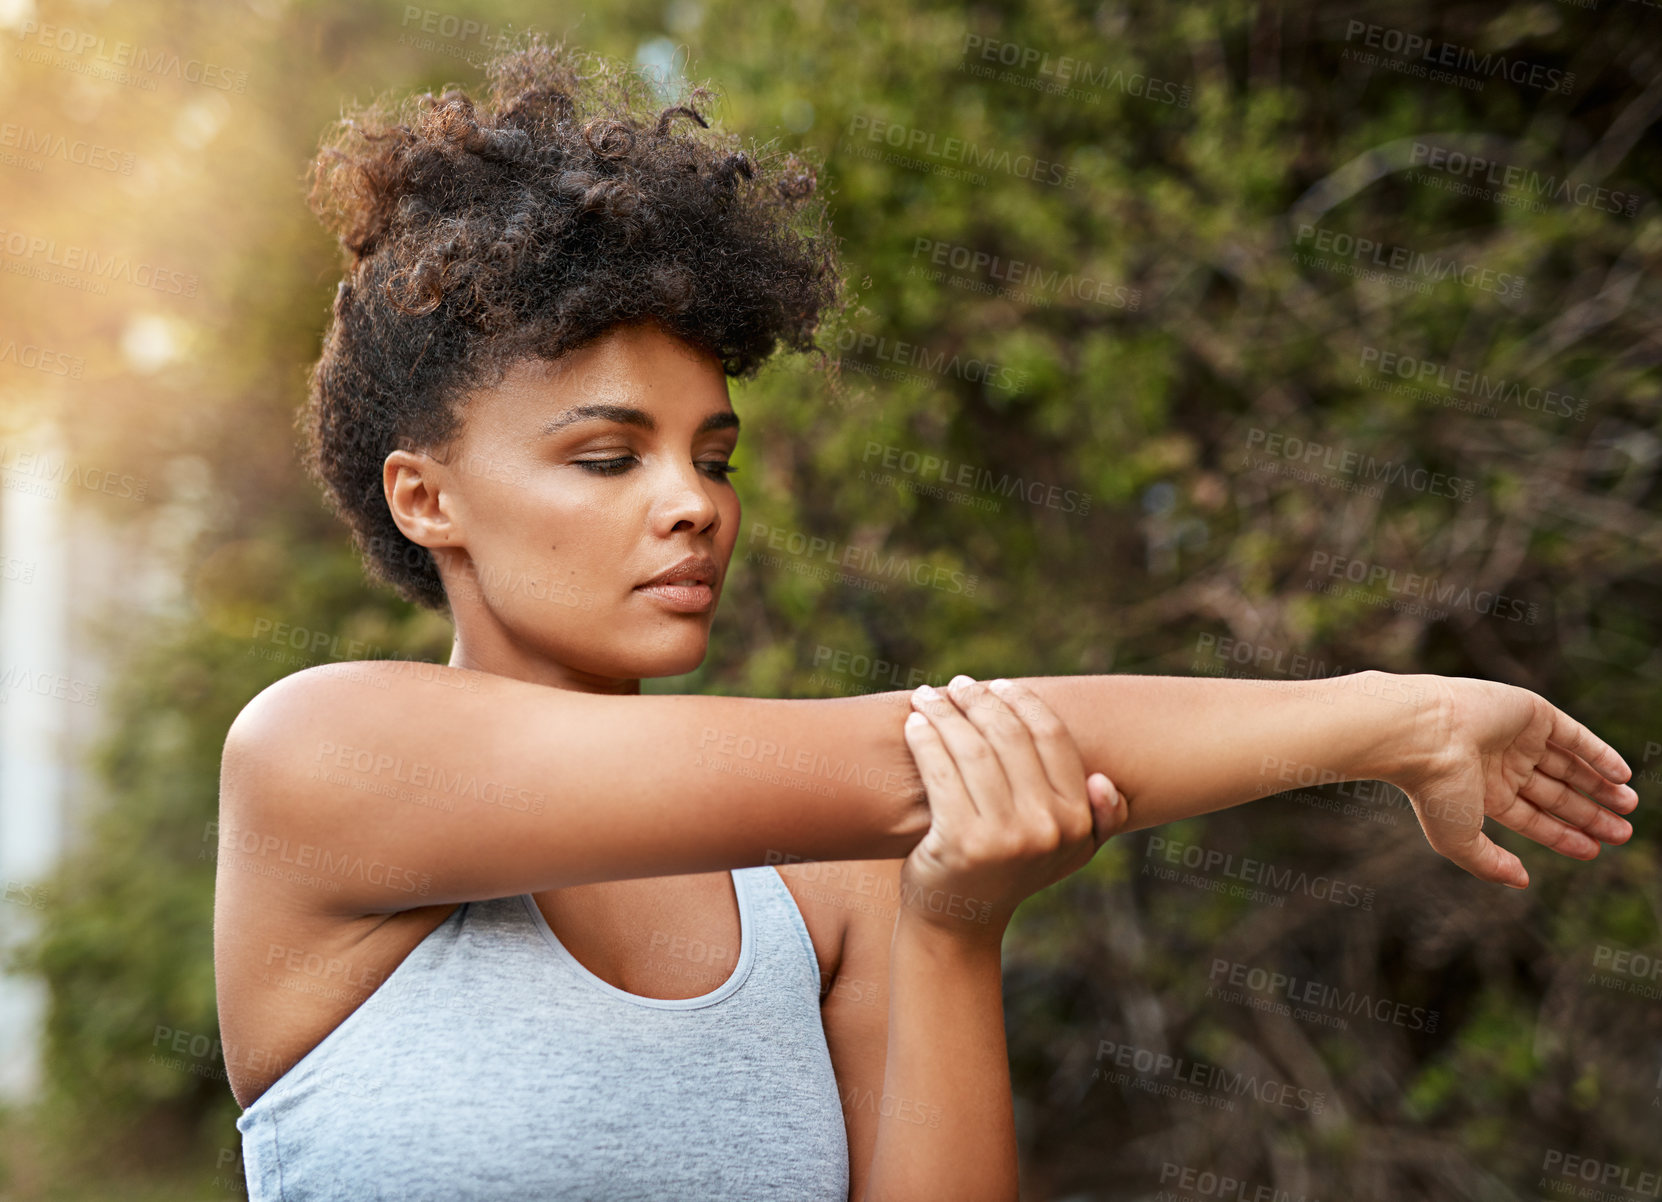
568 202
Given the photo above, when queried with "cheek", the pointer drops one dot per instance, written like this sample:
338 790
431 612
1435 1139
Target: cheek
731 518
591 541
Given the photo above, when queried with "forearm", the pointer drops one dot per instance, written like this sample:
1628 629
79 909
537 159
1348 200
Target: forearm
947 1129
1176 746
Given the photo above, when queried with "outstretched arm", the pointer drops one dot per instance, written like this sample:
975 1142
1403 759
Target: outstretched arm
471 785
1461 749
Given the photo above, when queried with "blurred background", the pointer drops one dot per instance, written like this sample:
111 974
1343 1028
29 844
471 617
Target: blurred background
1278 340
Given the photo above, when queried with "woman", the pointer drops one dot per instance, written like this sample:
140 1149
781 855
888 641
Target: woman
508 928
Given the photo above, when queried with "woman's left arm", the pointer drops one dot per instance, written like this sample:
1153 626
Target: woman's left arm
915 1024
926 1085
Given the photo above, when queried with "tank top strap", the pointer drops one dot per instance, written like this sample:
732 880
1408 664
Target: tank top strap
779 922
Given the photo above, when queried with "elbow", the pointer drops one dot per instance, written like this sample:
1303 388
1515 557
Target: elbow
911 799
907 814
912 823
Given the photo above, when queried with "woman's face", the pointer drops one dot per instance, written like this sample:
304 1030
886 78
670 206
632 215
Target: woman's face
572 487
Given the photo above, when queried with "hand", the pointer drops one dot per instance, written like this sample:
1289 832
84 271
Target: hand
1506 752
1011 810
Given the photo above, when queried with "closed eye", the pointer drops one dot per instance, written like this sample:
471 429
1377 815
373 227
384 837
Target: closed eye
718 469
607 467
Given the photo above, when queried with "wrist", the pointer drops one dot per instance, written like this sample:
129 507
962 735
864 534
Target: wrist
1403 722
952 936
1428 742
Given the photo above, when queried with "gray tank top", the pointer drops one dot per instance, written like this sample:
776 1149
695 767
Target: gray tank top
492 1065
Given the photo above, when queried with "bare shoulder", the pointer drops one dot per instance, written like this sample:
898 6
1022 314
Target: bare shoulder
264 737
293 703
290 963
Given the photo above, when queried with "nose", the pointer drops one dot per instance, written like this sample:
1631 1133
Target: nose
684 501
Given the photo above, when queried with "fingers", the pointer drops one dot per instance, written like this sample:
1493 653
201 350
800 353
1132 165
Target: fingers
1054 802
1016 738
1108 810
1553 786
1041 761
1455 830
1489 861
1574 771
977 763
1572 736
1534 823
950 804
1051 736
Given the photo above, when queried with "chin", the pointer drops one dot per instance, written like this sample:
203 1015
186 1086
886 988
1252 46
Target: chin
680 662
673 656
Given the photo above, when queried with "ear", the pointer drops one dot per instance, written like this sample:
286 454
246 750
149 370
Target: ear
415 486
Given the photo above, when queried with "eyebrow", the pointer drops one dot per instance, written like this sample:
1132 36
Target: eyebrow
627 415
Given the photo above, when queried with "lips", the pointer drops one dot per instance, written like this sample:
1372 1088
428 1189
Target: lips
693 570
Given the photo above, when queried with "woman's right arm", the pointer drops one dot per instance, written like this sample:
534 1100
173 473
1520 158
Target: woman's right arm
386 785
